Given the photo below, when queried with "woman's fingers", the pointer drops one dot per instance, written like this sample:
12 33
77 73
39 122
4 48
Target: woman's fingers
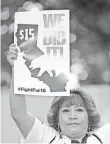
12 54
13 47
12 51
11 58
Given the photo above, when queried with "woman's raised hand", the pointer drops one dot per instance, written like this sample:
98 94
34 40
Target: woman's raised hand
12 54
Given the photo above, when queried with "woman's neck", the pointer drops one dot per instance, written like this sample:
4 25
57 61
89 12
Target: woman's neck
71 138
78 138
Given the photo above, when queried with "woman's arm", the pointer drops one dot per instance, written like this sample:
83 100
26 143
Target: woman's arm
18 102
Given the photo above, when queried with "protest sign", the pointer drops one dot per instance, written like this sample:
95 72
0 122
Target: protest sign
43 62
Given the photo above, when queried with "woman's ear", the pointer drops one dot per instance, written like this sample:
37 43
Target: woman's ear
89 129
59 129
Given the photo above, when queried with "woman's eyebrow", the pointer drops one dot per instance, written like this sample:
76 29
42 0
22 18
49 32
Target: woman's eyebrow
79 106
65 106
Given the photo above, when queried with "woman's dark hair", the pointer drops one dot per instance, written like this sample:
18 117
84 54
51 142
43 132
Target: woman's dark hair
93 115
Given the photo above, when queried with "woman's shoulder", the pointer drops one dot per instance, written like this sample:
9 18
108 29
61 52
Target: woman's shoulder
94 139
104 133
40 132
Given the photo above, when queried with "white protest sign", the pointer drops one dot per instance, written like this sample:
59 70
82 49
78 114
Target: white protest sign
43 62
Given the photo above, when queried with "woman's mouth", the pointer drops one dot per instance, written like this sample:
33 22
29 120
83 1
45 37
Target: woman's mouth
73 124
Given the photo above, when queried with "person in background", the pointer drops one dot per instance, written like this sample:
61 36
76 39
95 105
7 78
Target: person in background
70 119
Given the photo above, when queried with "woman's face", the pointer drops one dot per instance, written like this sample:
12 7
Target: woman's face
73 119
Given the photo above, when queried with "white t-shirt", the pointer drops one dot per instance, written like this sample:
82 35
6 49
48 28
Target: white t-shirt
43 134
104 133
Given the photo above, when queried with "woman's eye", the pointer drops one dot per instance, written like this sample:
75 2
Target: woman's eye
79 110
66 110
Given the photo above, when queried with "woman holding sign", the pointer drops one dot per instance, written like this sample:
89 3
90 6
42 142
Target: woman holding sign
71 119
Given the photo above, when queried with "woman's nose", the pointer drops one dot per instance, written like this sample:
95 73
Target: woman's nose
73 114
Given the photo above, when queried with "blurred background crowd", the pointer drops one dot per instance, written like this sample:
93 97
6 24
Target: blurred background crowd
90 53
89 36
